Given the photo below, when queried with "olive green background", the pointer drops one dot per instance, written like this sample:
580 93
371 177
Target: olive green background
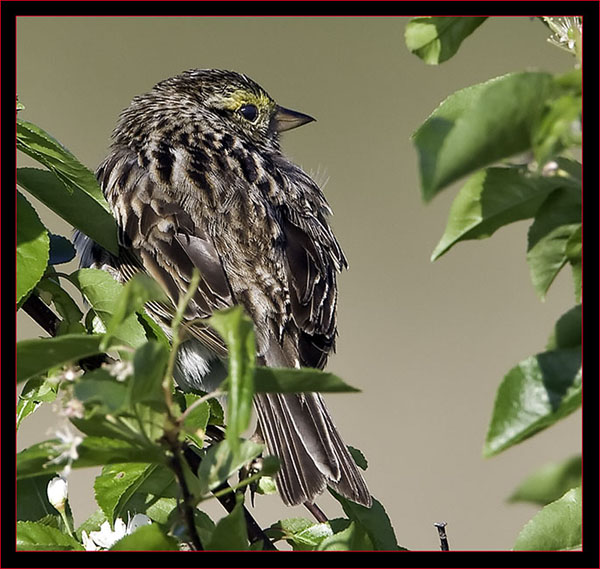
428 343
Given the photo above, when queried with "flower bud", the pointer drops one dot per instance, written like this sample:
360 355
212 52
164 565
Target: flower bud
57 493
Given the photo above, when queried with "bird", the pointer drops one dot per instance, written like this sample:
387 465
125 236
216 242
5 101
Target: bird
196 179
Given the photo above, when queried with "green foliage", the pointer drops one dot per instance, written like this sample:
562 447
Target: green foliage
130 418
540 115
436 39
550 482
556 527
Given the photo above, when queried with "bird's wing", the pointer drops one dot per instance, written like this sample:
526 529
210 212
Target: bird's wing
159 237
313 257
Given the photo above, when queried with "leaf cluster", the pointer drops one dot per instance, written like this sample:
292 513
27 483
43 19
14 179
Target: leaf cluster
518 138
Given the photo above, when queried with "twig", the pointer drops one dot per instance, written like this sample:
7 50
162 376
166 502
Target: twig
41 314
441 527
188 507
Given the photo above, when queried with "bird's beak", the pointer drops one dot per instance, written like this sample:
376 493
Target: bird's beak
286 119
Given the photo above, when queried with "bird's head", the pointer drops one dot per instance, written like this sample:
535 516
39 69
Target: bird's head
222 101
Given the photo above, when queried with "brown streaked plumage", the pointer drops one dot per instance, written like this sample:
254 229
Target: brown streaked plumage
196 178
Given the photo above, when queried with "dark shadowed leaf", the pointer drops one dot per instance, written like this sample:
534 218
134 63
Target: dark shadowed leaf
567 330
61 250
32 498
436 39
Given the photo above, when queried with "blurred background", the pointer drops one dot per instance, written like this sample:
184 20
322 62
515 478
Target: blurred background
428 343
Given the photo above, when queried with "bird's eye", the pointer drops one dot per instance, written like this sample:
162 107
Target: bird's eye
249 112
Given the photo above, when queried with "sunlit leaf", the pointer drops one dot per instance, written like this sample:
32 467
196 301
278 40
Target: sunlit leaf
556 527
437 38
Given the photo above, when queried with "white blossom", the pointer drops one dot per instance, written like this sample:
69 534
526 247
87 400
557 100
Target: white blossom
69 442
106 537
120 370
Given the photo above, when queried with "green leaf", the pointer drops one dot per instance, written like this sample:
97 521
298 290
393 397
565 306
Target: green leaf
373 520
353 538
196 421
300 533
230 532
32 498
290 380
550 482
149 365
567 330
103 292
437 39
37 459
146 538
477 126
50 291
90 214
490 199
556 527
35 392
38 144
237 331
117 483
34 536
35 357
555 223
99 389
139 289
534 395
33 246
156 495
220 462
358 457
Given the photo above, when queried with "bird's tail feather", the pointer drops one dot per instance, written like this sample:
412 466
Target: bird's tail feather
298 429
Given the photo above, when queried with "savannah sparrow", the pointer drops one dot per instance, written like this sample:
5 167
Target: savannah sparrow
195 178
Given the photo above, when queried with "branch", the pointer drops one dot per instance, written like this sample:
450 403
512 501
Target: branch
41 314
441 527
